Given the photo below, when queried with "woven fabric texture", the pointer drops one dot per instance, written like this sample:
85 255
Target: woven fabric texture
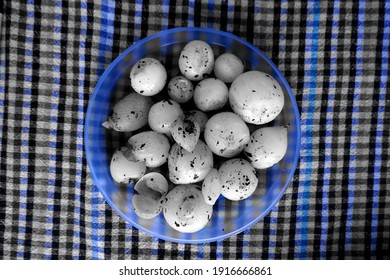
334 54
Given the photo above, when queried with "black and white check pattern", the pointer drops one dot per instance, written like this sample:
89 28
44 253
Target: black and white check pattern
335 55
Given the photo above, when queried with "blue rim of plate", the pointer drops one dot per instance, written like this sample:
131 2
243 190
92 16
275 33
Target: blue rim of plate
274 68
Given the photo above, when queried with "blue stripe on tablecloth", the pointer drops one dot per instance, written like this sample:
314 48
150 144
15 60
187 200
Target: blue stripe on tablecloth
191 11
128 239
80 135
165 14
24 180
328 134
379 128
219 253
210 18
105 45
272 233
200 254
154 247
230 25
245 245
355 123
137 20
95 220
304 193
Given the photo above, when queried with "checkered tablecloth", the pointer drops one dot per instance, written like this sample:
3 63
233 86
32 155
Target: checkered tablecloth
334 54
